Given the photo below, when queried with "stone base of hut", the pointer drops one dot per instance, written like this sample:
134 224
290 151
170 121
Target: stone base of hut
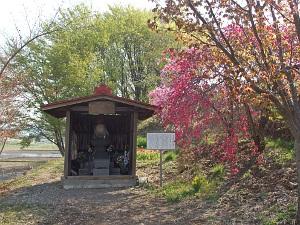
112 181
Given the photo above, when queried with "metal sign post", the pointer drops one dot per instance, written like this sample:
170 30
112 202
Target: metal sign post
160 168
161 142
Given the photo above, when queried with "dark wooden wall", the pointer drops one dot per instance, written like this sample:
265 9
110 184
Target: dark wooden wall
122 130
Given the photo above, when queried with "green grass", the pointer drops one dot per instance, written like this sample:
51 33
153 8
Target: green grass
176 191
217 172
18 214
34 146
281 151
141 142
146 158
172 191
147 155
281 217
44 171
170 156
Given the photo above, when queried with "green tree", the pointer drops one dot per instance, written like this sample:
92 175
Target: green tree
59 66
131 52
116 47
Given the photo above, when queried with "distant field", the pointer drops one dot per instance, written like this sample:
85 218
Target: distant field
13 144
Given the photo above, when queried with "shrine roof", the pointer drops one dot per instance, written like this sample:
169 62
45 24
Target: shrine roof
58 109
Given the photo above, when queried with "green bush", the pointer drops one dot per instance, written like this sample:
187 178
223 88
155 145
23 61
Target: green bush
196 183
141 142
217 172
200 183
170 156
205 187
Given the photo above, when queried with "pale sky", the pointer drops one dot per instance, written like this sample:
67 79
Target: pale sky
13 13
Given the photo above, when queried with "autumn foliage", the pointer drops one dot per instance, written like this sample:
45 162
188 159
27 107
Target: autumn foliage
203 93
248 51
10 120
204 113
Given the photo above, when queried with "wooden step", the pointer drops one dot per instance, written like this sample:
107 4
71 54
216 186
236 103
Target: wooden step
99 182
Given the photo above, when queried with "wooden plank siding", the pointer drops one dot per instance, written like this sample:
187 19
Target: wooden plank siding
67 163
134 120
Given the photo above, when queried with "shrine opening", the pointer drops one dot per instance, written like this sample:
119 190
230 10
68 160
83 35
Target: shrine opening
100 138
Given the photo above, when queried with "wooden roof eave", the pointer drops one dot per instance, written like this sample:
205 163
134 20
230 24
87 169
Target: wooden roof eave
59 109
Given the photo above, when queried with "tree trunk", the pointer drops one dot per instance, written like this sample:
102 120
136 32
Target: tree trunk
61 149
137 93
3 145
294 126
297 151
59 142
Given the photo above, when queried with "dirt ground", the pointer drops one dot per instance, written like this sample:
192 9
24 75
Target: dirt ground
106 206
42 200
98 206
120 206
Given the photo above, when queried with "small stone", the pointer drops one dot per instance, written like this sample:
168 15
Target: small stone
292 185
143 180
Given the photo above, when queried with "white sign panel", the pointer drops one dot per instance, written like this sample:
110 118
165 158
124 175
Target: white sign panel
161 141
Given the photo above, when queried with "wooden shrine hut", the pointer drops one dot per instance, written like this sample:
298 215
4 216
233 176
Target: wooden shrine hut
100 138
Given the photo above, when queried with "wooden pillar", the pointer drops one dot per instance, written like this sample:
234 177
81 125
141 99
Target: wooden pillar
133 130
67 144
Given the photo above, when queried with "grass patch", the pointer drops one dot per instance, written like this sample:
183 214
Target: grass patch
281 151
23 213
217 173
141 142
31 147
146 155
205 187
177 191
170 156
15 214
43 172
281 217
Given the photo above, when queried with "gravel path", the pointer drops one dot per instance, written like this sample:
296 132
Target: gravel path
98 206
42 200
